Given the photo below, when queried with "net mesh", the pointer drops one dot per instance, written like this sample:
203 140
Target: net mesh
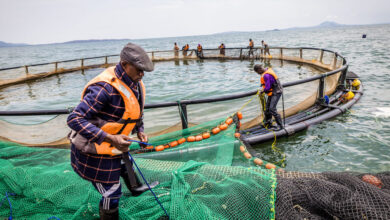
197 180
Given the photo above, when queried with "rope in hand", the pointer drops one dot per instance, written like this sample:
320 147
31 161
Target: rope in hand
273 146
158 201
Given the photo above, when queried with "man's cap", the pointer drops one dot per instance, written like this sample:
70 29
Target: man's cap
257 66
137 56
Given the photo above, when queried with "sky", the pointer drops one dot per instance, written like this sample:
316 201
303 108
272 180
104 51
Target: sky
52 21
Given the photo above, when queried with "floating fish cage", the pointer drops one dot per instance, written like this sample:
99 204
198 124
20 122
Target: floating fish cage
206 170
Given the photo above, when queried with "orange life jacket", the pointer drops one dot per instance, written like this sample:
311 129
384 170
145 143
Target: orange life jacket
262 81
199 48
250 43
132 114
186 47
222 46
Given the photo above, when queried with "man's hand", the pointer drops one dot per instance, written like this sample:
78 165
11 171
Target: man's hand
142 136
119 141
261 90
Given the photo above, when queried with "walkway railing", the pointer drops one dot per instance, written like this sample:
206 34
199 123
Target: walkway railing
326 59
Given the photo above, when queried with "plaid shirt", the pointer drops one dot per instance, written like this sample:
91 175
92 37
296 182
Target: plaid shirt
103 101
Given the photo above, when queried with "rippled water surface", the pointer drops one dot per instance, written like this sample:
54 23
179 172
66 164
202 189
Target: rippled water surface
356 141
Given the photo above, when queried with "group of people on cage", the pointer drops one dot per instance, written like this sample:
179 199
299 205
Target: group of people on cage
222 49
112 108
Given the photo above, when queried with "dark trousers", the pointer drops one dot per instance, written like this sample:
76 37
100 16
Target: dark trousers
270 109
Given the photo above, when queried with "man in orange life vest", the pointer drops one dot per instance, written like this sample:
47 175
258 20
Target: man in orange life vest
111 108
199 51
273 88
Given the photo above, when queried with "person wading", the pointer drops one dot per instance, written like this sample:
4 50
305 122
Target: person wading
270 85
111 108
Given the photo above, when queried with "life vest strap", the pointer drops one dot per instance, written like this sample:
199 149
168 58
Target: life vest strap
126 122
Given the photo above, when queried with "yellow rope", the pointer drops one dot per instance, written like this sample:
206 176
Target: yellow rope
250 100
273 146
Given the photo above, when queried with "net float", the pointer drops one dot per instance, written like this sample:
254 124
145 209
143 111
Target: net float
206 135
270 166
223 126
198 138
191 139
181 140
159 148
216 130
247 155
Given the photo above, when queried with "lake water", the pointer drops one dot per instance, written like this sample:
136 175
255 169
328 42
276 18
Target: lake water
356 141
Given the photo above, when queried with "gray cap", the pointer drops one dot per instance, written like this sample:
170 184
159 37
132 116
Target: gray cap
137 56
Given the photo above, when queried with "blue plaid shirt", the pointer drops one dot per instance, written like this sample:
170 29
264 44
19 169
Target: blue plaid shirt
103 101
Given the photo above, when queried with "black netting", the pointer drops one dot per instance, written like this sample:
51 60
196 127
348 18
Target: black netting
331 195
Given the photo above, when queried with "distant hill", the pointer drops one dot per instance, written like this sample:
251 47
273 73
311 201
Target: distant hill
5 44
91 41
324 24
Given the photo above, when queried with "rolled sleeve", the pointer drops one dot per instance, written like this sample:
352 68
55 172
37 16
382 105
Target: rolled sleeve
94 100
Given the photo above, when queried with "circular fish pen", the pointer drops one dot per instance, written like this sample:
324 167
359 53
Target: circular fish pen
206 169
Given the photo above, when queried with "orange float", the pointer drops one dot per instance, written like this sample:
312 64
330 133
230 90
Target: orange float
247 155
216 130
237 135
373 180
198 138
258 161
173 144
191 139
270 166
229 121
239 115
223 126
159 148
206 135
166 146
181 140
149 147
242 149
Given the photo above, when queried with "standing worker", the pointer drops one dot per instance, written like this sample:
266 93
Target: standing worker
199 51
111 108
185 49
266 48
176 50
251 47
222 49
273 88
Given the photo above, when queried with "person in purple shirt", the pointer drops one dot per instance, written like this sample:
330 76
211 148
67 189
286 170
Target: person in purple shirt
103 103
270 85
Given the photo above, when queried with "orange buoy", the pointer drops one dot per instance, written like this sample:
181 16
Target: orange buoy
258 161
181 140
191 139
198 138
373 180
173 144
223 126
229 121
239 115
242 149
149 147
237 135
216 130
206 135
159 148
247 155
166 146
270 166
239 124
